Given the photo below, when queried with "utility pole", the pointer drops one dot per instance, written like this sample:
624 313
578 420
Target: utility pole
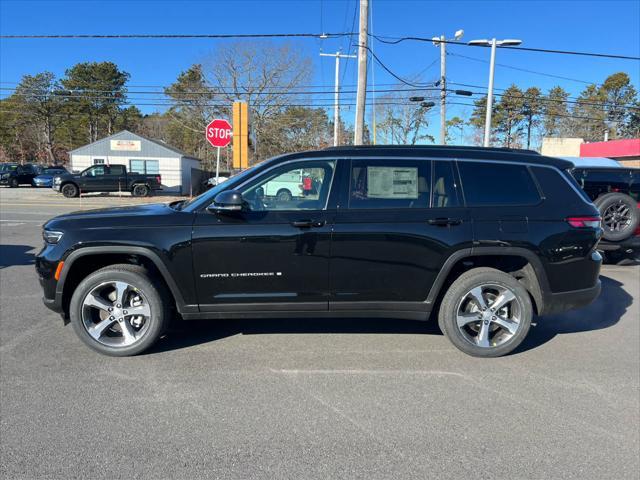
443 91
442 43
361 96
336 99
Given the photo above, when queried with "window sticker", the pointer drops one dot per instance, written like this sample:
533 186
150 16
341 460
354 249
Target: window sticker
392 182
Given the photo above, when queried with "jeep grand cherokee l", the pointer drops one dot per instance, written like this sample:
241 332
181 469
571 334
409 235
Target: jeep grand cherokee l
481 238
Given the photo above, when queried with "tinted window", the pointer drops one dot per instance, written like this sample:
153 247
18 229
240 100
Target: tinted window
445 192
117 170
291 187
389 184
497 184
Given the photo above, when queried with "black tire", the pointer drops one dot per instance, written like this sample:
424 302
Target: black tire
620 216
457 294
13 183
134 276
69 190
140 190
284 195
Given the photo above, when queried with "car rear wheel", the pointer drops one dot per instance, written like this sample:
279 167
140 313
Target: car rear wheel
69 190
119 310
620 216
284 195
485 313
140 191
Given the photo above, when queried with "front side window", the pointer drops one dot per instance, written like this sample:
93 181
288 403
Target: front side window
300 186
487 183
96 171
393 183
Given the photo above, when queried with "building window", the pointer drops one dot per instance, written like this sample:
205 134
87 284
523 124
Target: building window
98 161
144 167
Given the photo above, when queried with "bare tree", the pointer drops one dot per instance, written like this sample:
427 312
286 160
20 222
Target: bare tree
402 122
268 76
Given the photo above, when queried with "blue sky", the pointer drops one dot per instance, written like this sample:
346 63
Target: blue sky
598 26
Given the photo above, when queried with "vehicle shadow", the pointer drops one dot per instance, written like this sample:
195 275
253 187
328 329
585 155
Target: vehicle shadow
603 313
16 255
184 334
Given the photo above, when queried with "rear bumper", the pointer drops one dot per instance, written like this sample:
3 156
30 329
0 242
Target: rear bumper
631 243
561 302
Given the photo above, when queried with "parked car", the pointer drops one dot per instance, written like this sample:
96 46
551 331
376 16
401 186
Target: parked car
106 178
616 194
45 179
212 182
483 239
14 174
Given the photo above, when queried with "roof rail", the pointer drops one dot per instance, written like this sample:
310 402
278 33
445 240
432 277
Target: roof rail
435 147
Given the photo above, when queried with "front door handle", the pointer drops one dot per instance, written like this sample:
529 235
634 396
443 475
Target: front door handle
443 222
308 223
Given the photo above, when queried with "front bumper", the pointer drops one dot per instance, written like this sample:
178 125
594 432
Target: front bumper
628 245
56 187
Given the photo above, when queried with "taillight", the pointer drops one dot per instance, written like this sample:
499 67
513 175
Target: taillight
584 222
158 179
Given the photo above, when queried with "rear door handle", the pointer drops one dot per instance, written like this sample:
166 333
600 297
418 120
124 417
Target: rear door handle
308 223
443 222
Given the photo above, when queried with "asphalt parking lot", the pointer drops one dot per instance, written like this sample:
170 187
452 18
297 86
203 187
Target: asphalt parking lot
310 398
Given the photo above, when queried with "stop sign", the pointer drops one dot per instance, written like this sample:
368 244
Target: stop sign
219 133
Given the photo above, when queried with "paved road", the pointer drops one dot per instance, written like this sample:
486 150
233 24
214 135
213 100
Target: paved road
313 398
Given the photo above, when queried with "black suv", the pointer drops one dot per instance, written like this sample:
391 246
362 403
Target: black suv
484 237
14 174
616 194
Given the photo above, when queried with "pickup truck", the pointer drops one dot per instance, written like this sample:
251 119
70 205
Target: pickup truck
106 178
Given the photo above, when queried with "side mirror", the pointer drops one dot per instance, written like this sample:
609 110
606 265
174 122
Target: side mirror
227 201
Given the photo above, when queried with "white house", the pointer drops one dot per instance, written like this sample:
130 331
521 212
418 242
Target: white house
140 155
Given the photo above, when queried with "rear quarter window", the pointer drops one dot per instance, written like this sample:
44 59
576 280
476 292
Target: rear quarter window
489 184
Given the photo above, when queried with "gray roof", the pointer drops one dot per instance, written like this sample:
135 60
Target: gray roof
151 146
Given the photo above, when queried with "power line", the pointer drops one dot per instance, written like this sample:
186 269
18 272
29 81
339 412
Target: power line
396 40
524 69
180 36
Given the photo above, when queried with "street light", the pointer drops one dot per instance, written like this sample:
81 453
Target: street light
493 43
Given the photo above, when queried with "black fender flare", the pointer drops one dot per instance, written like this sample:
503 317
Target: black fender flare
129 250
542 294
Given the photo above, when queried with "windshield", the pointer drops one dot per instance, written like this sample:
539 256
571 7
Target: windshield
8 167
53 171
208 196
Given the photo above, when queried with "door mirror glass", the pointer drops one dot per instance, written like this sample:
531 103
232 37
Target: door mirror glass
227 201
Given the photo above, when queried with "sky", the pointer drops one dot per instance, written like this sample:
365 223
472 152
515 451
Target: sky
594 26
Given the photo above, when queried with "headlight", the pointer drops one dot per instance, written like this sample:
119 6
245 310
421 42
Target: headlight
57 180
5 175
51 236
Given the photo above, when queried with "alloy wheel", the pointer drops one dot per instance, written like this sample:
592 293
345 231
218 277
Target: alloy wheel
116 314
489 315
616 217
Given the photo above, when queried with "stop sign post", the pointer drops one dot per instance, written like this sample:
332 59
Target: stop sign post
219 133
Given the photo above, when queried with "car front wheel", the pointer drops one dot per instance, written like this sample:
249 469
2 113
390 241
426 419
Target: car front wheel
69 190
13 183
119 311
485 313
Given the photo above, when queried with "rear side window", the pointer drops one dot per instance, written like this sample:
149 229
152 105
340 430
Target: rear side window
497 184
117 170
389 183
445 190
